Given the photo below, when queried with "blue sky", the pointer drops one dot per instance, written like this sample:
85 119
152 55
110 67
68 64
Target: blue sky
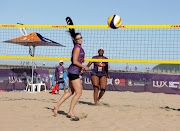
91 12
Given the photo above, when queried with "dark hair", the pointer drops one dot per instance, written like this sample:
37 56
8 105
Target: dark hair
76 35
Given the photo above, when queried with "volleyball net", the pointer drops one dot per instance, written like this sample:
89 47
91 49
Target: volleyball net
127 44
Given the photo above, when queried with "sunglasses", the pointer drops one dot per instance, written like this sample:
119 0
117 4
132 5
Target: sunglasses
79 38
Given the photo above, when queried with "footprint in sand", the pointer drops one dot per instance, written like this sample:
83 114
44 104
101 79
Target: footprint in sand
103 104
82 115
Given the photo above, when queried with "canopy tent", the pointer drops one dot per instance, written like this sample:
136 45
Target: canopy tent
32 40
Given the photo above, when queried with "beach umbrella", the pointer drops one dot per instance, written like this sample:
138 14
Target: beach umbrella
32 40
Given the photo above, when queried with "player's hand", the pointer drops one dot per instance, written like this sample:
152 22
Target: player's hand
86 68
82 71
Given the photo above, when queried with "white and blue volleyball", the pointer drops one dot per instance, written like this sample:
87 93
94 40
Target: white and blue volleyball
114 21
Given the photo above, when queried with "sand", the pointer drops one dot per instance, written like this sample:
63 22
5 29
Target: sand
124 111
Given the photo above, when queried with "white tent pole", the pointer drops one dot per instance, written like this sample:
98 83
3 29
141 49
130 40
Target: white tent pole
33 64
32 69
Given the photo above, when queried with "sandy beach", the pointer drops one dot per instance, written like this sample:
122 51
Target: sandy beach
125 111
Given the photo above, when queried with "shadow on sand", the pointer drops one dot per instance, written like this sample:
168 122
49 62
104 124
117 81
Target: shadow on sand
87 103
167 108
59 112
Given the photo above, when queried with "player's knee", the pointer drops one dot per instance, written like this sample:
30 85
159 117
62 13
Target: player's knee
103 90
70 92
96 88
79 93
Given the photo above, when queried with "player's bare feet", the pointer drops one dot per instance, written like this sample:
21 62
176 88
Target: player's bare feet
73 117
55 110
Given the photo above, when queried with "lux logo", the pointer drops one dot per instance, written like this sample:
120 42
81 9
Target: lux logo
14 79
159 83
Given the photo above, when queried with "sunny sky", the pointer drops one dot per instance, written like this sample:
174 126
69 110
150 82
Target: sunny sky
91 12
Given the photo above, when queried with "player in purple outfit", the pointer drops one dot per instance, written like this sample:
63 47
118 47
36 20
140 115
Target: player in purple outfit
59 75
98 75
74 71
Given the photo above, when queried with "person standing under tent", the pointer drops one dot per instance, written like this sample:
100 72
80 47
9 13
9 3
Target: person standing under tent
58 78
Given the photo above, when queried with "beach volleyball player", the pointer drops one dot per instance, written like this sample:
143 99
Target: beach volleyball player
98 75
74 70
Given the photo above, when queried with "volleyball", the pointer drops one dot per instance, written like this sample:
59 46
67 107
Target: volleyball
114 21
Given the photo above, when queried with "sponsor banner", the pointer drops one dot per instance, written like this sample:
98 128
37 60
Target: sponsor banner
141 83
137 82
174 84
15 79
